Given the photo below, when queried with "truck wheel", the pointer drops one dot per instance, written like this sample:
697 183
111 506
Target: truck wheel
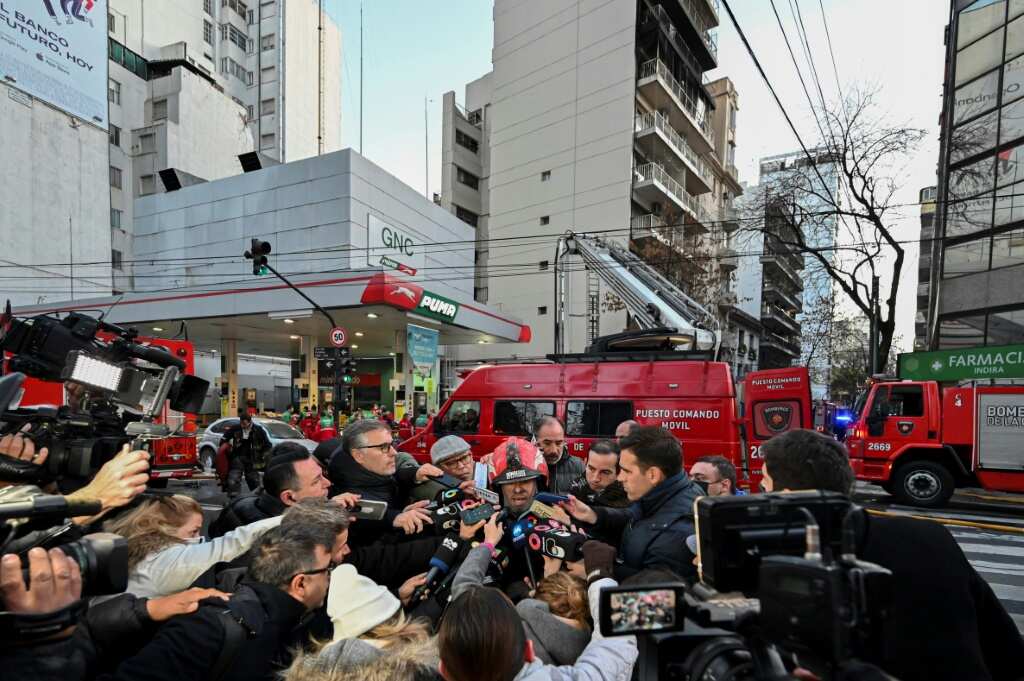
923 483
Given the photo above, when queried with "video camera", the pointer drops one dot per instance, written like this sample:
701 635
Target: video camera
779 575
125 387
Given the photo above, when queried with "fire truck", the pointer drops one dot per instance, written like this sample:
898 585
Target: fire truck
171 457
664 374
920 440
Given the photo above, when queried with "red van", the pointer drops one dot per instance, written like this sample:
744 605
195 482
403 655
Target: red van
696 400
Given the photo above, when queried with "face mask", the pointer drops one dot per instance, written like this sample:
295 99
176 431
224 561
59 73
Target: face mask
195 540
703 484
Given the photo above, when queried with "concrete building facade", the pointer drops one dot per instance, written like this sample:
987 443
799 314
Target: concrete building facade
926 197
976 282
596 117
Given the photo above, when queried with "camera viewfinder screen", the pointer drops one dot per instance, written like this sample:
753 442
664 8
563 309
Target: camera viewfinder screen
643 610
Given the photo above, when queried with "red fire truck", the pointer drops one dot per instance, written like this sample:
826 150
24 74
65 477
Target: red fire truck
172 457
696 400
920 440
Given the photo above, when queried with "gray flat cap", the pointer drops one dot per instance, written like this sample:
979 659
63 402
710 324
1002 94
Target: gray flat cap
448 447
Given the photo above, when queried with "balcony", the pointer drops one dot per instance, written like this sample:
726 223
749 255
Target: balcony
728 218
775 319
657 84
778 295
648 226
779 344
656 18
653 185
703 22
778 266
658 138
733 171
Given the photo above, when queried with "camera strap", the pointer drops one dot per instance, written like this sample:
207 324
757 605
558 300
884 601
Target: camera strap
19 627
20 472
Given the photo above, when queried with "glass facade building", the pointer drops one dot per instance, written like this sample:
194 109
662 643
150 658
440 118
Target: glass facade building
979 262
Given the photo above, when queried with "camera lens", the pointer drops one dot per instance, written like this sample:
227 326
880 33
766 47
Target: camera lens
103 560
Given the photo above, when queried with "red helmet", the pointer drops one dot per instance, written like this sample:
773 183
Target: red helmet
514 460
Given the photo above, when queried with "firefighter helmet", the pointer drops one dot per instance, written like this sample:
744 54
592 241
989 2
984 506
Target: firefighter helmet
515 460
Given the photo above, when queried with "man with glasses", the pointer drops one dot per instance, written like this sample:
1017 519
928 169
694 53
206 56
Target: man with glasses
366 465
563 468
252 635
716 474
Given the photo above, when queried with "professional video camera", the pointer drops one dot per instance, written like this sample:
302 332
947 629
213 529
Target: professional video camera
124 384
779 577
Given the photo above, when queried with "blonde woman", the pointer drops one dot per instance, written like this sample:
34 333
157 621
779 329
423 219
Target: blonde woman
167 553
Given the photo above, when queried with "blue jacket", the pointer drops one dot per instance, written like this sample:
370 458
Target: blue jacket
654 529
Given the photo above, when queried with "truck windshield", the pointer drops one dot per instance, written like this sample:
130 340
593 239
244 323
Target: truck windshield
858 404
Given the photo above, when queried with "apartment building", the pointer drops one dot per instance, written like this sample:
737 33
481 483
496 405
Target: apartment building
926 197
596 117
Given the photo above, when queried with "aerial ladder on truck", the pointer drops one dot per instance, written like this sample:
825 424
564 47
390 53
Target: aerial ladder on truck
653 302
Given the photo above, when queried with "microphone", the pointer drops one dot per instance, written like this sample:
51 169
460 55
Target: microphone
556 542
49 505
442 561
522 528
446 518
450 496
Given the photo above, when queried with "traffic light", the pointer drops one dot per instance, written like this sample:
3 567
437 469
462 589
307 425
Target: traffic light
258 254
348 370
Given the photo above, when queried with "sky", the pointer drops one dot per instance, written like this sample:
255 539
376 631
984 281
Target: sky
415 49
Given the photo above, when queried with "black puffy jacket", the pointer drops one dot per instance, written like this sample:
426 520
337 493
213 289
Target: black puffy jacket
348 475
654 529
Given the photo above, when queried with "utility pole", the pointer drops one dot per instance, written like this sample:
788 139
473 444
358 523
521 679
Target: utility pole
873 338
360 78
320 81
426 149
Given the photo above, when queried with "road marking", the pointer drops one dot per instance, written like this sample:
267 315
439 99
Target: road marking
978 534
991 549
1016 529
1005 592
1007 569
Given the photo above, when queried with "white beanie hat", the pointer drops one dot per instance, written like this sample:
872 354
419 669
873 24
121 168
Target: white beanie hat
357 604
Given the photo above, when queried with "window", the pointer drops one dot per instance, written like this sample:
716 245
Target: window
465 140
267 107
113 91
115 218
965 258
976 97
115 259
237 37
961 332
268 75
1005 327
1008 249
268 42
159 109
266 9
115 177
147 143
115 135
545 176
249 112
222 426
973 138
595 419
517 418
542 310
111 25
980 57
267 141
462 417
147 185
224 65
467 216
252 17
207 32
542 265
972 215
208 7
468 179
903 400
545 219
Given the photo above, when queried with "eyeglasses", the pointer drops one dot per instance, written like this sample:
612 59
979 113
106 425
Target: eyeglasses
330 566
463 460
383 447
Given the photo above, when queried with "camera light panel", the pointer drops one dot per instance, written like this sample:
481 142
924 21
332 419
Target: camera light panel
95 373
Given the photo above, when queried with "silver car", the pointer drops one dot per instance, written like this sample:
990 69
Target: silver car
276 432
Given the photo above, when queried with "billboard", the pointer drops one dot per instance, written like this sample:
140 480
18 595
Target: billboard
994 361
392 248
56 51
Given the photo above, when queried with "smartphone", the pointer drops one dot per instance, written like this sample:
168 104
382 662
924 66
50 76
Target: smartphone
550 499
471 516
449 481
369 509
487 495
652 608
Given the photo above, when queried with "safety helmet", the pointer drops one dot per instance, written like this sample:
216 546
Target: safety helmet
515 460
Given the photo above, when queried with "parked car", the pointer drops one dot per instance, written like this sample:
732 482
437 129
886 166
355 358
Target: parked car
276 431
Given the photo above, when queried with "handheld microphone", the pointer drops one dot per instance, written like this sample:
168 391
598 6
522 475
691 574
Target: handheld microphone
44 505
442 561
446 518
522 527
557 543
450 496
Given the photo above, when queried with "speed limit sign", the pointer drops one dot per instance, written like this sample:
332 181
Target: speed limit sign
338 337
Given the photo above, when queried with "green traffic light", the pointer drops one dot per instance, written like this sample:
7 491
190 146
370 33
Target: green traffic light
263 270
346 379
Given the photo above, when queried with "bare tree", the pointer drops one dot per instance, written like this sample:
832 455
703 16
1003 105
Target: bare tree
868 156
